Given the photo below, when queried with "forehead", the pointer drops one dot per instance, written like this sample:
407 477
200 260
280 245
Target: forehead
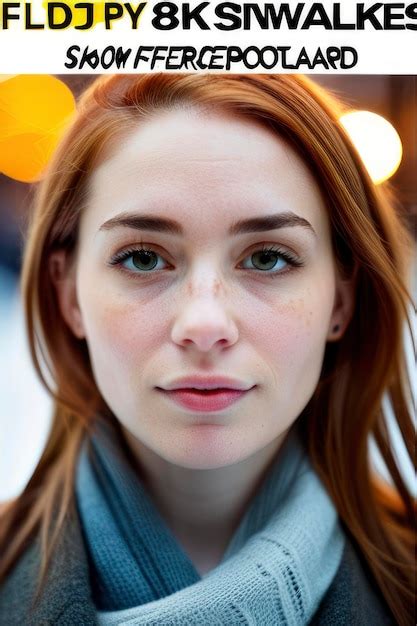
203 170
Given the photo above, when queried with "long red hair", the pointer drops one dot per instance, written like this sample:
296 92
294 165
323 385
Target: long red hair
343 414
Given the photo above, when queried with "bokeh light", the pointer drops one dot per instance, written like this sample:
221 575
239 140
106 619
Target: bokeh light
377 142
34 112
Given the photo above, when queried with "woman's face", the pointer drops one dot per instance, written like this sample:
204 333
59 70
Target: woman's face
204 300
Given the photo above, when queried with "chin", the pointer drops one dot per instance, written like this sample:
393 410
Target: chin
205 464
208 447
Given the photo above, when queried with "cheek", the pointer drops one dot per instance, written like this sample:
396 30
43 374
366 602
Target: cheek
122 336
291 334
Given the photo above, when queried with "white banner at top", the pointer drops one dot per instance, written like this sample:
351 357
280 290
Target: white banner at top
71 36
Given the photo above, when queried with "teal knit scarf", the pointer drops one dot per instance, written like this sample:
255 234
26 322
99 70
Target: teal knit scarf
276 569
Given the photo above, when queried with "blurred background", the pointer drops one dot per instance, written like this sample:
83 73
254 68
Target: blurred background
24 144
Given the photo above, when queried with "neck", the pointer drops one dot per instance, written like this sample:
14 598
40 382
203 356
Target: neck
202 507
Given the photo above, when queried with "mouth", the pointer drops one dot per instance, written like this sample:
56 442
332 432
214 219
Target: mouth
205 400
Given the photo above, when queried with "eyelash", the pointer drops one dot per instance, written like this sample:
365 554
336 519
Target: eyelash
287 256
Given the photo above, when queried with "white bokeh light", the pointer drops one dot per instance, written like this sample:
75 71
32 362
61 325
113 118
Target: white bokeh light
377 142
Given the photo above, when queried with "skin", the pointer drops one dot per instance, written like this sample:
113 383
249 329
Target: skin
203 313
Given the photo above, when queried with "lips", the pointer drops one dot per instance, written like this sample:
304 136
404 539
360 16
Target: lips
207 382
205 400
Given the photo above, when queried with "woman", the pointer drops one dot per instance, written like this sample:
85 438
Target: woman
215 299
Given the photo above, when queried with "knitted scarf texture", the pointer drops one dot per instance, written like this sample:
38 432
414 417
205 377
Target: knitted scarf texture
276 569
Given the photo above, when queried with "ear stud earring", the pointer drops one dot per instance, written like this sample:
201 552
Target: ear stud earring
336 328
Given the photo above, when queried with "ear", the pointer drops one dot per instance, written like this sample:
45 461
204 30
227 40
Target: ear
63 278
343 307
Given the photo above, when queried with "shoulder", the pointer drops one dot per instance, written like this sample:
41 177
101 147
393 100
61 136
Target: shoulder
66 597
353 598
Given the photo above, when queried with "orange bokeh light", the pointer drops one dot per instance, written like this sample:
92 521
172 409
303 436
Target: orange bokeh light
34 112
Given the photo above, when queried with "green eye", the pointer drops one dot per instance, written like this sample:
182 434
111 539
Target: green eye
271 258
268 260
139 260
142 260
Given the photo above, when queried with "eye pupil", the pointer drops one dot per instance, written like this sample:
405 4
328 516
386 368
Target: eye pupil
145 258
265 257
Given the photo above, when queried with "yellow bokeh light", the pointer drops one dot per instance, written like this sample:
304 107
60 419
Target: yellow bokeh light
377 142
34 112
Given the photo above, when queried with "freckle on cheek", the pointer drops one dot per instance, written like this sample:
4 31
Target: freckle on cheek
285 331
129 335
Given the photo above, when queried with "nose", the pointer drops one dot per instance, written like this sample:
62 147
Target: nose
203 319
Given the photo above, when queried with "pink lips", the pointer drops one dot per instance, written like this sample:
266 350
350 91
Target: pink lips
207 400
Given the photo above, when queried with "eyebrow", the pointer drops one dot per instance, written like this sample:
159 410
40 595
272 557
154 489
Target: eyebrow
166 225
